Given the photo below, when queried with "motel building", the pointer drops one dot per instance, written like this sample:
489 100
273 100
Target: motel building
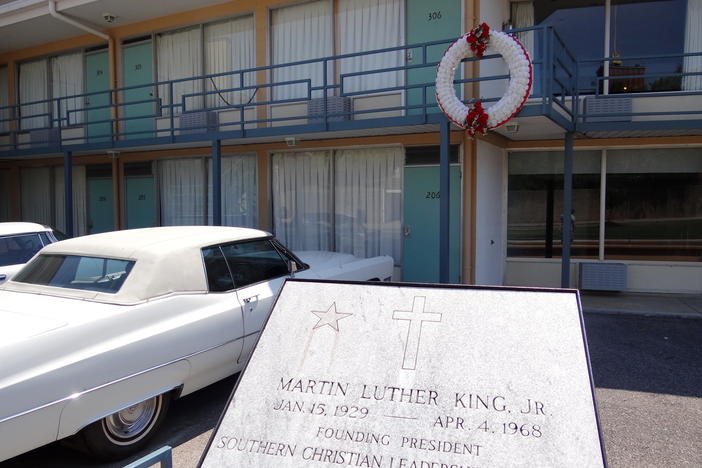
317 121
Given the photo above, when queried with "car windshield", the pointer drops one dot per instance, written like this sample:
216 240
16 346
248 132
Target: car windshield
76 272
19 248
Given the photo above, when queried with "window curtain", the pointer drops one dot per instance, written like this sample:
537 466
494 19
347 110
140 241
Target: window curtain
36 194
368 202
229 46
4 113
32 88
182 190
4 195
301 186
368 25
523 16
80 204
300 32
693 43
67 80
178 55
239 192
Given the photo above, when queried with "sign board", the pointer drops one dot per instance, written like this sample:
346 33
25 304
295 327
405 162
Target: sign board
407 376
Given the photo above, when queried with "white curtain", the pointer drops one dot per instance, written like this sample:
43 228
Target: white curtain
67 80
4 113
182 190
368 25
693 43
80 205
368 202
301 32
36 194
4 195
301 187
33 87
230 46
178 55
522 17
239 193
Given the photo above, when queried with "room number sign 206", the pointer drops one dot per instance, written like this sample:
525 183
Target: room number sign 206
433 195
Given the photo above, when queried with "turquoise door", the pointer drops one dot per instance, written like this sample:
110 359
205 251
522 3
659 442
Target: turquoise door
139 197
138 70
97 78
426 22
421 244
100 206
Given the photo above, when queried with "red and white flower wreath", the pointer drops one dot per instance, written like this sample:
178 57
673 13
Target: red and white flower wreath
476 119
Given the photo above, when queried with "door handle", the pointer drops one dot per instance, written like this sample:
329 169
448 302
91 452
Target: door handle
406 230
3 277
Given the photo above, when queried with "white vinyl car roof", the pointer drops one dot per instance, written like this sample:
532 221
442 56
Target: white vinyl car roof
168 260
8 229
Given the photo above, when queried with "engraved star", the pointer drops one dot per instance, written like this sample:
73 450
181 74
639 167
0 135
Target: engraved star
331 317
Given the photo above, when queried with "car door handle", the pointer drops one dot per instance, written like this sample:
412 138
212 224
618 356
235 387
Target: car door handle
3 277
252 298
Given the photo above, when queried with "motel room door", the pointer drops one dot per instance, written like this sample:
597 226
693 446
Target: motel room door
429 21
421 223
137 70
100 205
97 78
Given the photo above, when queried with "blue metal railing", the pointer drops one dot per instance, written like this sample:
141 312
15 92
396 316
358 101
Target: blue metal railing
246 105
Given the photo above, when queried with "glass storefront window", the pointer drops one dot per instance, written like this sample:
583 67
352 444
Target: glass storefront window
535 204
654 204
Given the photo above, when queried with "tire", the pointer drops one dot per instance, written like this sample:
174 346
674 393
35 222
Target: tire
127 431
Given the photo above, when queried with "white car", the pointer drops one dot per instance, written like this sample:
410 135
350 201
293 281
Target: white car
19 242
100 332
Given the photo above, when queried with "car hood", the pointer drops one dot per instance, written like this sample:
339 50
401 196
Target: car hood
321 259
9 271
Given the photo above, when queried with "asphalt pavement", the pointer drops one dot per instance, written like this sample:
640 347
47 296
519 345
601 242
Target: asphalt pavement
647 370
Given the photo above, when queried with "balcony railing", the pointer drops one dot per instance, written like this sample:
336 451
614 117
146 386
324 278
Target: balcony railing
391 87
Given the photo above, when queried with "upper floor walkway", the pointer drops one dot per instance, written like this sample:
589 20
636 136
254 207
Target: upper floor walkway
374 92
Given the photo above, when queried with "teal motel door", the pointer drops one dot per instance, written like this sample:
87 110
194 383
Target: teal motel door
97 78
100 205
140 202
137 69
428 21
421 225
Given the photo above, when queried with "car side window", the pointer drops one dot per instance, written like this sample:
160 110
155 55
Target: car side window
255 261
18 249
218 276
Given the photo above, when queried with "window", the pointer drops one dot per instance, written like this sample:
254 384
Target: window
654 205
253 262
535 204
4 112
179 56
15 250
346 201
218 276
76 272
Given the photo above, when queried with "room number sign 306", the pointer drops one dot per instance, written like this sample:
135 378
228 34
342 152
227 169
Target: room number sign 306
434 15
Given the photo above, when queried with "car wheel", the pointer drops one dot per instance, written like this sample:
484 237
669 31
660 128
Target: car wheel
127 431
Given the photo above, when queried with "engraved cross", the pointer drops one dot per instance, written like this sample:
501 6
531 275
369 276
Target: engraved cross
414 331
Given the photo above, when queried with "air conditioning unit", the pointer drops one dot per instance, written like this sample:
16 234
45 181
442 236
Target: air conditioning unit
339 108
44 137
598 108
603 276
198 122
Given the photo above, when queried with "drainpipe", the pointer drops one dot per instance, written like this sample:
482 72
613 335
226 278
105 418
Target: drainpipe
66 19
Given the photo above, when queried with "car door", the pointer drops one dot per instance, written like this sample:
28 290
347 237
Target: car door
258 271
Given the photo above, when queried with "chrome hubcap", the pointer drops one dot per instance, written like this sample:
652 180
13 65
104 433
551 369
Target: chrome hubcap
133 420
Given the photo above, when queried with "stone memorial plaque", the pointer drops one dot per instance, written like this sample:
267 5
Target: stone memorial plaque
407 376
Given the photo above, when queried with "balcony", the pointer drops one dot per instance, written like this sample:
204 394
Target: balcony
342 95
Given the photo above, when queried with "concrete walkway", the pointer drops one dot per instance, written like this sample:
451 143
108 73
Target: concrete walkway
660 305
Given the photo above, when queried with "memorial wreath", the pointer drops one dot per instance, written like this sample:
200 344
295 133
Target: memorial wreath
477 119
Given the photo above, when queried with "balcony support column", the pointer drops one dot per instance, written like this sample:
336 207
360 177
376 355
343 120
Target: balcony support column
217 182
68 191
445 197
566 225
